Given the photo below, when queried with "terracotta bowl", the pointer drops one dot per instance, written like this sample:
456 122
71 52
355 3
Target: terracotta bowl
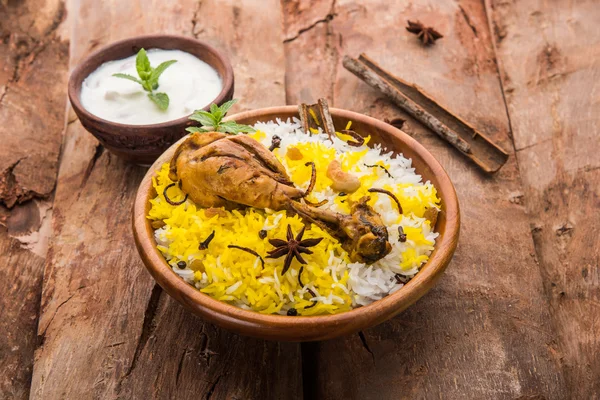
142 144
310 328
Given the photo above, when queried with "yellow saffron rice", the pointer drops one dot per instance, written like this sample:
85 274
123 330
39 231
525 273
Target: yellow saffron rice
237 277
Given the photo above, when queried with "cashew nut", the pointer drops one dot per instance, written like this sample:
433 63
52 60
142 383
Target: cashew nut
342 181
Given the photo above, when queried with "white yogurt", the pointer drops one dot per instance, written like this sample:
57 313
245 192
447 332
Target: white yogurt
190 83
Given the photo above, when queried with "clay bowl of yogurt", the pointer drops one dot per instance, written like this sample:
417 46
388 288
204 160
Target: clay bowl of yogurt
119 112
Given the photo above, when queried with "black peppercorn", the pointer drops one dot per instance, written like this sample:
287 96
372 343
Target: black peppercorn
292 312
181 264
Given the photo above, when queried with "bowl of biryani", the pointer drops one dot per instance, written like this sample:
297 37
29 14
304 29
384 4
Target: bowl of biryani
342 234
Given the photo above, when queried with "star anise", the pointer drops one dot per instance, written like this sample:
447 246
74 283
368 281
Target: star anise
428 35
292 248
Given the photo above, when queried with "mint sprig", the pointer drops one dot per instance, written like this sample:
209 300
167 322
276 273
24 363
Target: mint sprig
148 78
213 121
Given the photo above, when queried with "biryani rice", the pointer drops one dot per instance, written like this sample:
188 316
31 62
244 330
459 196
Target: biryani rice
332 283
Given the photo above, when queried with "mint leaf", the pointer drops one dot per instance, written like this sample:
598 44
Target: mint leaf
212 121
157 72
147 87
226 106
234 127
142 65
127 76
149 78
196 129
205 118
216 112
160 99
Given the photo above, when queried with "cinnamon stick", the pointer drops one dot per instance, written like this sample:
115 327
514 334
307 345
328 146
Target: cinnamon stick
466 139
316 116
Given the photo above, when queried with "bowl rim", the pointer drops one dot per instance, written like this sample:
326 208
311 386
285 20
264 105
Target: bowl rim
76 79
361 316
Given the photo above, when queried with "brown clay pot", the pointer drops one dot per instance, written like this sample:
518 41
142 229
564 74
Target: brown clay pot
299 328
142 144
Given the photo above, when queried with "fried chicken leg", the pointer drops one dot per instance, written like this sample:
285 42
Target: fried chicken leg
218 170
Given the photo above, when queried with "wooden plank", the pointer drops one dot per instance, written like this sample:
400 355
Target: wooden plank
34 59
108 331
21 286
309 73
258 61
548 55
483 332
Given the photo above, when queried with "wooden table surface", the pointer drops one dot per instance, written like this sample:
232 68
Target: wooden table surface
516 315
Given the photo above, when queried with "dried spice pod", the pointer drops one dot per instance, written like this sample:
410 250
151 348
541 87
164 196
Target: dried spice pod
205 243
401 235
292 248
428 35
275 142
